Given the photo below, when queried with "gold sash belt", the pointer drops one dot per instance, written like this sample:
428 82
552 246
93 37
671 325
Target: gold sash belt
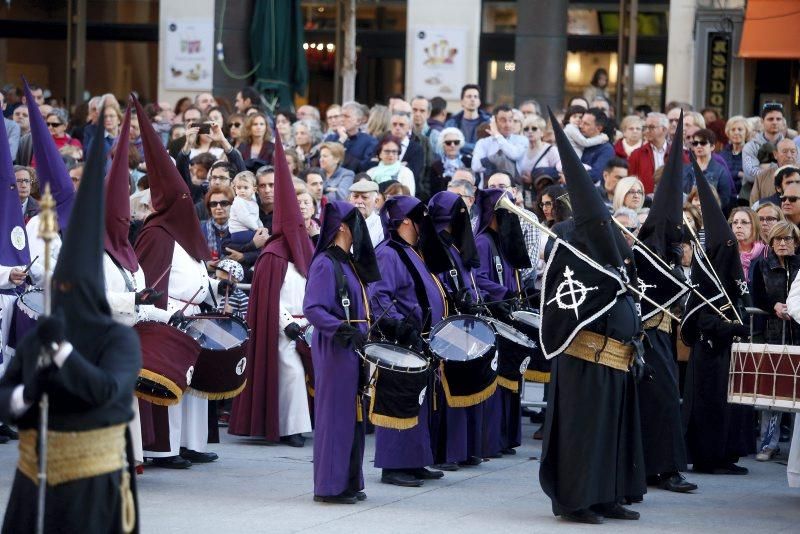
661 320
73 455
614 354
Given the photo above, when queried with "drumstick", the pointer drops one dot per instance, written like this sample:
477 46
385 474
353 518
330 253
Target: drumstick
28 267
374 324
225 303
199 289
162 275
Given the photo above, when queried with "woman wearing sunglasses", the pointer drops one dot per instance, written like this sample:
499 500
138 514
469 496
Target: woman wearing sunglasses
57 124
540 155
233 128
718 177
771 277
215 228
450 142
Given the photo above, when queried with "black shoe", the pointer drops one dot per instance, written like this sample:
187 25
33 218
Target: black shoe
295 440
471 461
423 473
615 511
729 469
343 498
198 457
4 439
447 466
677 483
172 462
509 451
8 432
360 496
583 516
400 478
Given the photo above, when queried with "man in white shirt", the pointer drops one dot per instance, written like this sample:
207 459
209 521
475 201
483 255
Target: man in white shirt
363 195
513 146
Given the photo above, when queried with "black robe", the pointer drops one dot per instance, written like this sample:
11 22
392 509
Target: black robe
717 433
660 407
592 449
90 391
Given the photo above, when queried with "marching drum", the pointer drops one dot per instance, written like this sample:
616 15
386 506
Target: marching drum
30 305
221 364
529 322
168 360
465 344
515 351
399 384
766 376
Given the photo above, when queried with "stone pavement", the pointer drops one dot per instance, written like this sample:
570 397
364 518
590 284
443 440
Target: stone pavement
257 487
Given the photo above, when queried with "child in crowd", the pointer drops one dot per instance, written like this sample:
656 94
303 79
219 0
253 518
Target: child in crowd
244 220
236 302
572 121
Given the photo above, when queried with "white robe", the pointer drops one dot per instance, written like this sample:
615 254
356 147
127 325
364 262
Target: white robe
7 304
293 409
188 420
36 245
124 310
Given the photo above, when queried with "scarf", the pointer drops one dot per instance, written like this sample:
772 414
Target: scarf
452 165
383 172
747 257
215 233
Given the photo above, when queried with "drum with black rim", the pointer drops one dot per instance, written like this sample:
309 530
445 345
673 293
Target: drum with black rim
398 386
465 344
515 351
220 372
528 322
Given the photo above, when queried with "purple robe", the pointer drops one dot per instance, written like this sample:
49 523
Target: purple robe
405 449
463 426
338 435
502 425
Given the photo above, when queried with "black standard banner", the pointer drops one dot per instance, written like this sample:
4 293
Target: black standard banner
655 282
575 292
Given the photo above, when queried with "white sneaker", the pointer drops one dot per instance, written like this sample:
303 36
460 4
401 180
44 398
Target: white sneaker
766 454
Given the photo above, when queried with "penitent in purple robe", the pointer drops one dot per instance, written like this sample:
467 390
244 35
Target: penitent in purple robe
502 425
338 436
405 449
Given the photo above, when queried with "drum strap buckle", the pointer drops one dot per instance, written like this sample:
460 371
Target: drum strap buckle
498 266
454 276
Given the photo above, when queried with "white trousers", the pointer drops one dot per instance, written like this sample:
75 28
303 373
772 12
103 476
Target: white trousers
188 426
293 410
793 466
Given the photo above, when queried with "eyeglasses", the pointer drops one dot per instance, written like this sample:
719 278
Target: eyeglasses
452 142
53 124
789 198
24 181
784 239
768 219
772 105
546 204
390 152
218 203
635 192
236 125
699 143
530 129
653 126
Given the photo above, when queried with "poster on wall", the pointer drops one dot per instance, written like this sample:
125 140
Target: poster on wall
440 62
189 54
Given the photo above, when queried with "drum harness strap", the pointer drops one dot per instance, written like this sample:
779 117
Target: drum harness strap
129 285
498 263
341 285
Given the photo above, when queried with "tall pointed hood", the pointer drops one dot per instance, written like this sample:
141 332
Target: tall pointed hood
401 207
595 234
79 292
363 253
49 166
13 239
509 228
171 199
721 246
664 224
289 236
448 209
118 205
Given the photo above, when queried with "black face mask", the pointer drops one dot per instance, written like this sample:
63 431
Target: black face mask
512 242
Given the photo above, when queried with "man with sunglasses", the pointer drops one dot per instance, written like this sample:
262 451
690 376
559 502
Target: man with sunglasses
790 202
774 127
